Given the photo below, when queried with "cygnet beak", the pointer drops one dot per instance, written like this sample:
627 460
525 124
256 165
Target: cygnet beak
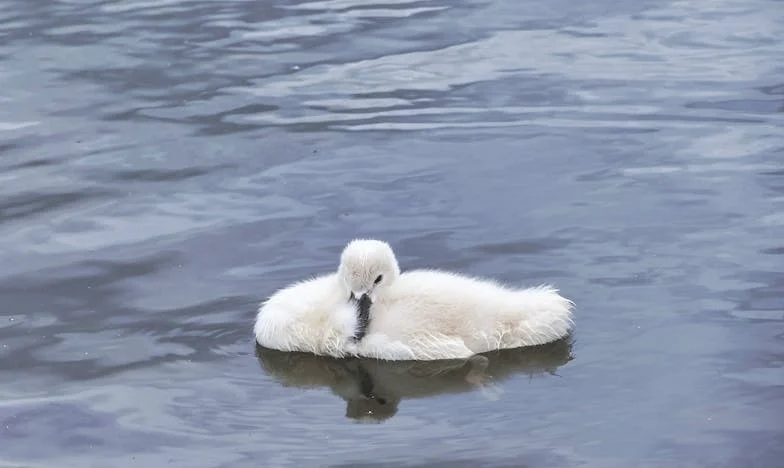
364 305
363 313
364 302
362 296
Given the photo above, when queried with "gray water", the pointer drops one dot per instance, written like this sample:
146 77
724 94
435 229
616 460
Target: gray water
166 165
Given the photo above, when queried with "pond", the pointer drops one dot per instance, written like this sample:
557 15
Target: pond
168 165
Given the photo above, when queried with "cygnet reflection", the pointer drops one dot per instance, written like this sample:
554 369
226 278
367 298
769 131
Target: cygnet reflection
373 389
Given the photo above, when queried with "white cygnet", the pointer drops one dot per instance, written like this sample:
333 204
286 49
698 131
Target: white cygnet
369 308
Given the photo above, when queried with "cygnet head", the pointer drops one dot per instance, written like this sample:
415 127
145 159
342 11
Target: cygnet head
367 267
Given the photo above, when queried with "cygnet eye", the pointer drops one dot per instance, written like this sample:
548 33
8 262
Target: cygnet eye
378 280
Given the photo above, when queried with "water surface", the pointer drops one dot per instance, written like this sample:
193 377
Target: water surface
165 166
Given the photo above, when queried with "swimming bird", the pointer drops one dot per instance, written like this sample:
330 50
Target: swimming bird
369 308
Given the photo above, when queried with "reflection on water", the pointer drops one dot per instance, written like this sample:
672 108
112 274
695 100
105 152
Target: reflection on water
373 389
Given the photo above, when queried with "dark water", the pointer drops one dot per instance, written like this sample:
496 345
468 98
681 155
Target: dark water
165 165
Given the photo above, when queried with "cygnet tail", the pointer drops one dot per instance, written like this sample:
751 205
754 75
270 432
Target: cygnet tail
543 315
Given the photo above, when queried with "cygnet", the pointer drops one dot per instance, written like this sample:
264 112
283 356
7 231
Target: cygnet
369 308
